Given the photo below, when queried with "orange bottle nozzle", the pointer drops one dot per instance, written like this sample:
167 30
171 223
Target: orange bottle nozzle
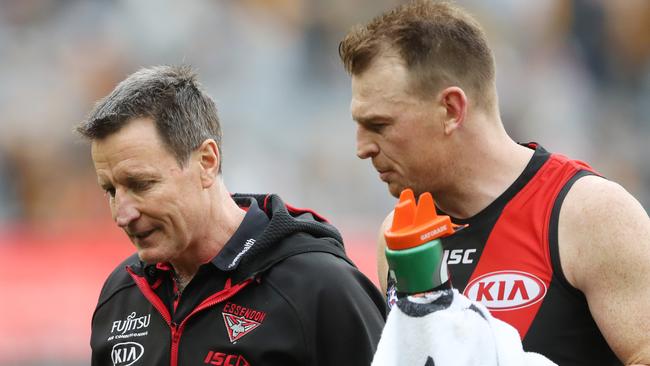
404 211
415 224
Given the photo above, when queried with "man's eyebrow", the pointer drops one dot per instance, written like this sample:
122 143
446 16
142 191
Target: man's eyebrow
139 176
105 185
129 178
371 118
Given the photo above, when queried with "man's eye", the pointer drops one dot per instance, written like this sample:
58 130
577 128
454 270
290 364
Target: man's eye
110 192
377 127
142 185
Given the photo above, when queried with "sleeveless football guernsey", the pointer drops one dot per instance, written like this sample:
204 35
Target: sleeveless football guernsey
508 259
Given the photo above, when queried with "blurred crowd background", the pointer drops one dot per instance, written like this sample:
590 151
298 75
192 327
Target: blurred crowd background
573 75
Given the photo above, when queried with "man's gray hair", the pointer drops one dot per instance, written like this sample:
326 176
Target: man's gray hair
184 115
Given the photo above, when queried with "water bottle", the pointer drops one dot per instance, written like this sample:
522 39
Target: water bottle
413 248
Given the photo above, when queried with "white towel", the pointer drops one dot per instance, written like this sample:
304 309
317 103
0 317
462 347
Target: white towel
445 328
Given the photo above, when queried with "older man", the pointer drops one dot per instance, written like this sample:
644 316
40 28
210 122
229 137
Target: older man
217 279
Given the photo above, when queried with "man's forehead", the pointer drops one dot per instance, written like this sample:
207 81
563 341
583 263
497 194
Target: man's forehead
380 106
385 76
130 161
128 169
381 75
377 99
384 65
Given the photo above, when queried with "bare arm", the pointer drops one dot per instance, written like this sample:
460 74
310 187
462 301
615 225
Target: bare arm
382 264
604 244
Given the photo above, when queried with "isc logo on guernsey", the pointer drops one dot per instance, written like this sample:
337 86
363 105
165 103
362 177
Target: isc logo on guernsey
506 290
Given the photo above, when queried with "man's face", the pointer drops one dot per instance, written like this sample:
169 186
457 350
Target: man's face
155 201
400 132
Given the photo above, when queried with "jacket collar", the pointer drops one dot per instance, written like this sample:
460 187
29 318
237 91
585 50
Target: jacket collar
244 237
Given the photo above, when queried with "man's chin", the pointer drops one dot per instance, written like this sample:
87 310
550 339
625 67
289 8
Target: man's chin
150 257
395 189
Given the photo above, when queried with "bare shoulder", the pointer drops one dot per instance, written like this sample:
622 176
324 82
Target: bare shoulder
601 221
382 264
604 245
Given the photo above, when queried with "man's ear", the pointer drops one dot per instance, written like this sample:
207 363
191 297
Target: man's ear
454 101
209 161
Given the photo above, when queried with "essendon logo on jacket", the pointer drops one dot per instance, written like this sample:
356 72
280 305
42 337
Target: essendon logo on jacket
241 320
506 290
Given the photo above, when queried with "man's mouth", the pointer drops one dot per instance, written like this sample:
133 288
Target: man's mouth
143 234
383 175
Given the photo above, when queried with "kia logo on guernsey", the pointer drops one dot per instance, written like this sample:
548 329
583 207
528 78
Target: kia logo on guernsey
126 354
506 290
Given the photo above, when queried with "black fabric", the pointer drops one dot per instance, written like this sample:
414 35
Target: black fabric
443 286
554 250
281 225
416 310
476 309
254 224
118 280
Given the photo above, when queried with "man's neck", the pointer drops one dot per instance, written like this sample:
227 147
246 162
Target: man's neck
482 176
181 281
219 226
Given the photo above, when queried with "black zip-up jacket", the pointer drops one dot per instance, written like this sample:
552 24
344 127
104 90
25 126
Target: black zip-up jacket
281 292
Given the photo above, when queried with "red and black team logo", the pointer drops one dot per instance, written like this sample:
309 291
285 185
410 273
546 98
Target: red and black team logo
241 320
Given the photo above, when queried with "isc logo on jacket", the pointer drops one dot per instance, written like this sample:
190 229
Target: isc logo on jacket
506 290
224 359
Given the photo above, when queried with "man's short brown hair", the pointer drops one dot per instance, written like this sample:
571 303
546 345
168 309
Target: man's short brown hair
440 44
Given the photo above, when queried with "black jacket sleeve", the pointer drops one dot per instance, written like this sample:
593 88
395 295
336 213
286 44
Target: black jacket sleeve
341 311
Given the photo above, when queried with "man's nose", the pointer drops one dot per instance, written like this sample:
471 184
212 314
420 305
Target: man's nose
366 147
124 209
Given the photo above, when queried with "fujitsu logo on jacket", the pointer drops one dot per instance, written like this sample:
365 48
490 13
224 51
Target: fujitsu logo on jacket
131 323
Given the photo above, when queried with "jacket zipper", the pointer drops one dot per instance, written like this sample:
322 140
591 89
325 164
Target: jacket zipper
177 329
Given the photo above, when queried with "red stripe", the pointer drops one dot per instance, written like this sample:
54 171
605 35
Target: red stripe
156 284
518 249
266 200
164 266
209 302
148 293
177 330
298 211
